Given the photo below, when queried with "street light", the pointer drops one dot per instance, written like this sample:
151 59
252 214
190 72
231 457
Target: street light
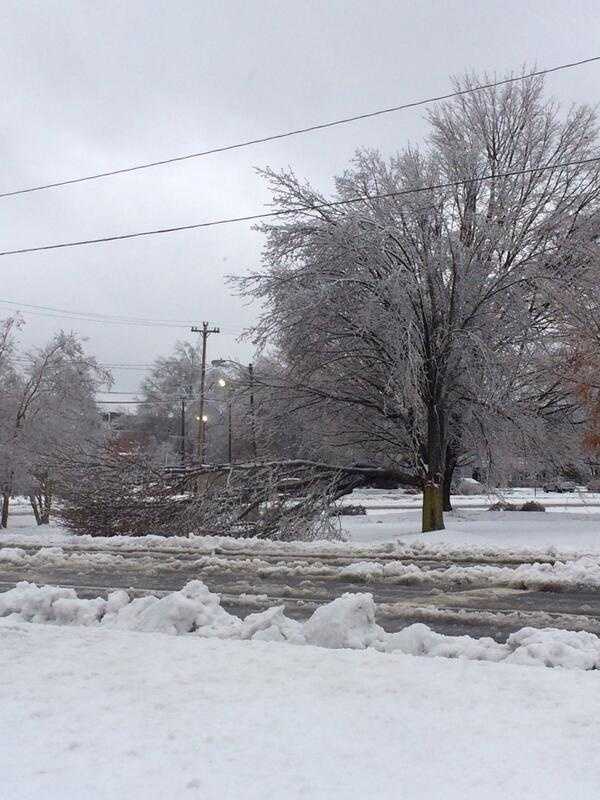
223 362
202 419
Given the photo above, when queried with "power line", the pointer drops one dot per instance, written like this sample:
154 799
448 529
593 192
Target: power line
128 367
116 317
47 311
315 207
123 402
80 318
124 367
133 365
23 359
287 134
168 401
28 313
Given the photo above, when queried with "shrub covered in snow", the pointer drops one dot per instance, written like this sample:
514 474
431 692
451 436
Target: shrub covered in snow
468 486
532 505
501 505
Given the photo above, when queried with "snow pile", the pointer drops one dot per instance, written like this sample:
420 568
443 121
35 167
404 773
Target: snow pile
579 573
548 647
13 555
362 571
269 626
420 640
346 623
194 608
46 555
570 649
30 603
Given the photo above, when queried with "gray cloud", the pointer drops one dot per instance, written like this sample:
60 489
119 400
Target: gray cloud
94 86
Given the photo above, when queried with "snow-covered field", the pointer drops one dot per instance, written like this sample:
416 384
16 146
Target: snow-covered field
174 697
108 714
468 533
571 531
393 515
377 498
574 531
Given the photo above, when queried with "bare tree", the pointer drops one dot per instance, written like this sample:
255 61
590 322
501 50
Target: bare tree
47 407
172 389
418 306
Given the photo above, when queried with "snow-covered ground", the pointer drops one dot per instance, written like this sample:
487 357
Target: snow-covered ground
392 521
174 697
105 714
474 532
347 621
376 498
498 530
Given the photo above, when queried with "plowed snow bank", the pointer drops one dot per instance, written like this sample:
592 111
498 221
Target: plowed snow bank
347 622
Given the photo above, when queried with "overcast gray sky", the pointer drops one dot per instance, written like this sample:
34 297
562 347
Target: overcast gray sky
94 86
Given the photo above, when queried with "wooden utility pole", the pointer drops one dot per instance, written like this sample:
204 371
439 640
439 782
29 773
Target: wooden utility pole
182 431
205 331
229 428
252 416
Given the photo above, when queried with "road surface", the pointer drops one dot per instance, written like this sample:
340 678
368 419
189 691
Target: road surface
249 583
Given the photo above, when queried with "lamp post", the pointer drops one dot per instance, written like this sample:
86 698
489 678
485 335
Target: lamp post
202 420
223 384
182 430
221 362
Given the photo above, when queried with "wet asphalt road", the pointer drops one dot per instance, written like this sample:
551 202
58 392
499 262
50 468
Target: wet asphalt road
301 584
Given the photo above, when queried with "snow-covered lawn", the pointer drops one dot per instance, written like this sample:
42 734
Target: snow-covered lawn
397 529
100 700
376 498
569 532
108 714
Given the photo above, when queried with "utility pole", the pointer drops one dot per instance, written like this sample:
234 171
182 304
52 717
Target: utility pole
229 428
252 417
205 331
182 431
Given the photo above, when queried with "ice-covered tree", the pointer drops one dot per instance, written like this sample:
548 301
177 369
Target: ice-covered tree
177 377
415 304
47 410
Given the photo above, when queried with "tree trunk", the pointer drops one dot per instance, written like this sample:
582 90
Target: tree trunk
5 505
36 511
446 489
46 502
433 516
435 456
